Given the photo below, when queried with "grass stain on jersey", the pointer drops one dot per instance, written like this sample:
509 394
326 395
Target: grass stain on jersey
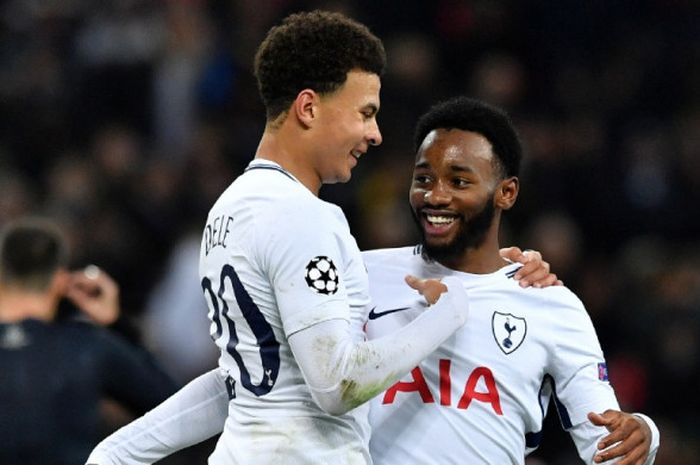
354 395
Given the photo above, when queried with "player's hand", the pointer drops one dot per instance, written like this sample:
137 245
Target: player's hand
534 272
630 437
430 289
96 294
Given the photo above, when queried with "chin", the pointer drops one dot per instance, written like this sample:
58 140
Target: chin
337 179
442 243
345 177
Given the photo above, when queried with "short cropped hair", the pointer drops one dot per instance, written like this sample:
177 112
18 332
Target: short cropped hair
31 251
313 50
473 115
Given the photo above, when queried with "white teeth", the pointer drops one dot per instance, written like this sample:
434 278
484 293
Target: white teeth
356 153
440 219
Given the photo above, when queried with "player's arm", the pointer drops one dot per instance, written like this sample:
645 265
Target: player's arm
341 369
582 387
534 272
343 374
193 414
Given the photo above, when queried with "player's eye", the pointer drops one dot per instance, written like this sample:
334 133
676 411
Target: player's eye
421 179
368 113
460 182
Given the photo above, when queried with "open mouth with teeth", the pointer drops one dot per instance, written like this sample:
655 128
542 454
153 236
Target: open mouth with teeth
356 153
438 224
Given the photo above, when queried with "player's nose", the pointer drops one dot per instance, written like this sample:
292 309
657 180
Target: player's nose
438 195
374 136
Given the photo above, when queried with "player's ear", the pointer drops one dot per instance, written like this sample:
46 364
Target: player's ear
305 107
60 281
507 192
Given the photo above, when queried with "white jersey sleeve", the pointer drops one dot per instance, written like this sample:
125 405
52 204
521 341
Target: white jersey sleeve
303 258
580 378
343 374
577 364
193 414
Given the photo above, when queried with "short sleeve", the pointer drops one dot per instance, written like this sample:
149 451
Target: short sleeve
304 259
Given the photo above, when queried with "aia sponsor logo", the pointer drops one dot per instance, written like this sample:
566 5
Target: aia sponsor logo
480 386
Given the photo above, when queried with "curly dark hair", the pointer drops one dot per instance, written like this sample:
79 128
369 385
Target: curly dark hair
470 114
313 50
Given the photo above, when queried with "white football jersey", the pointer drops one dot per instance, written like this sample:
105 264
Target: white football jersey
274 260
481 397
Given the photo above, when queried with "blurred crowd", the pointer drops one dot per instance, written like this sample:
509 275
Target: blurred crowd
124 120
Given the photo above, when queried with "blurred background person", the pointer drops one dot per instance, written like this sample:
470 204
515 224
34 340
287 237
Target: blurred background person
56 371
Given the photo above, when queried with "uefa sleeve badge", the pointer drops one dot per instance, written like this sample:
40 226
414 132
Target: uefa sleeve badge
322 276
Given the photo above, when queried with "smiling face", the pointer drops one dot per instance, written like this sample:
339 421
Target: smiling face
347 126
455 193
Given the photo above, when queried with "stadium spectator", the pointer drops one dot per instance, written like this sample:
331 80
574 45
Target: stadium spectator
56 371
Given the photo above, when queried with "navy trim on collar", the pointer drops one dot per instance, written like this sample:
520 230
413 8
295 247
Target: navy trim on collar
511 273
270 167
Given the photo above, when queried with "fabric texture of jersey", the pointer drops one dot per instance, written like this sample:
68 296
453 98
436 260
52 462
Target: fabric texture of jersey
53 378
275 260
434 429
481 397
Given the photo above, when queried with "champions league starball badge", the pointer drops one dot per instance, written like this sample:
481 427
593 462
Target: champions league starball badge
508 330
322 276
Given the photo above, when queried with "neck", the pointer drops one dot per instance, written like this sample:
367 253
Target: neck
287 149
476 261
16 305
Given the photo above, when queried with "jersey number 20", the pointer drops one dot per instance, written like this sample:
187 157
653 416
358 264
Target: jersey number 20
265 337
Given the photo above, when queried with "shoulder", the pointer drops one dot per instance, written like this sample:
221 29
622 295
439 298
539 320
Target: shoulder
98 336
562 296
262 186
386 266
558 302
81 336
302 215
88 334
269 202
298 229
66 332
74 327
552 301
557 307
